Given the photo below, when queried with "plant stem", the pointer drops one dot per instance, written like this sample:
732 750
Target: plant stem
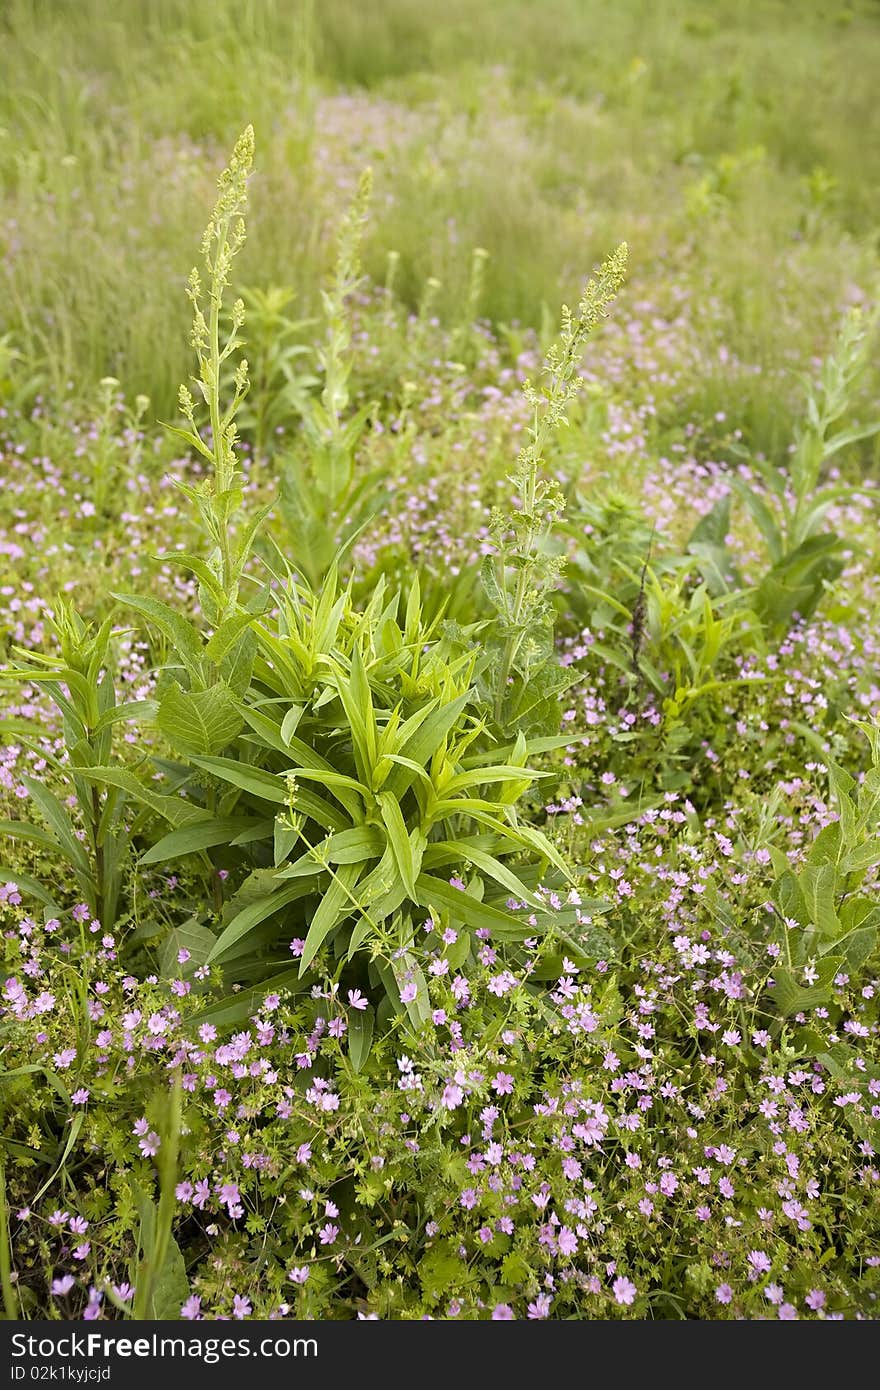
9 1305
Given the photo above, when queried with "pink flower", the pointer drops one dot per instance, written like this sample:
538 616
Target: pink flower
624 1290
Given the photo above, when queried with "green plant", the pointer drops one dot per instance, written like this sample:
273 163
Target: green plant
790 512
112 456
279 381
95 843
159 1274
357 792
523 680
328 490
300 688
824 922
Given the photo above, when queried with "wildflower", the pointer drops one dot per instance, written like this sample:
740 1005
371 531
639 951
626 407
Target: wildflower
624 1291
759 1263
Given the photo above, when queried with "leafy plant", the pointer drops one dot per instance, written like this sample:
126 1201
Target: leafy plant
357 793
337 760
804 557
196 709
95 843
825 920
279 378
523 679
111 456
328 492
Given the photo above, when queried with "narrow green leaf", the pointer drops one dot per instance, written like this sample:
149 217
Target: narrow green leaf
336 903
360 1035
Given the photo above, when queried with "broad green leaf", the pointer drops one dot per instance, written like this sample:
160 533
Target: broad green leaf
185 639
190 936
792 996
200 721
227 635
818 883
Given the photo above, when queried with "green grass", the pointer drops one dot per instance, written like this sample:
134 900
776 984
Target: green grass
544 133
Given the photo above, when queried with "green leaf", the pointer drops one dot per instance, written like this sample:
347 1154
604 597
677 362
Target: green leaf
241 1004
492 868
175 809
254 780
789 899
398 839
424 743
336 903
792 997
170 1288
198 836
360 1035
20 830
31 888
185 639
255 913
353 846
59 821
199 721
191 936
434 893
818 883
227 635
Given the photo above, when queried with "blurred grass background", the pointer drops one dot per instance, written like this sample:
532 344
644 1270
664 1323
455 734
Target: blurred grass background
735 145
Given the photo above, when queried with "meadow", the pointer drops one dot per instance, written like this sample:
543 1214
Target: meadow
439 694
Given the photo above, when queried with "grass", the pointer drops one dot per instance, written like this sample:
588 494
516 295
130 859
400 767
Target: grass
718 141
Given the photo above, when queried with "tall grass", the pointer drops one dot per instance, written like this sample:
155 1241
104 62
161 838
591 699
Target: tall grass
718 140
